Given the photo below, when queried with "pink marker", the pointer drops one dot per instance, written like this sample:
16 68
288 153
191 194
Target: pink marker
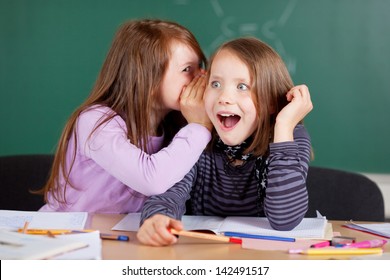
367 244
321 244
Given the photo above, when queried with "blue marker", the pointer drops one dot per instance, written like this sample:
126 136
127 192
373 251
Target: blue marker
255 236
114 237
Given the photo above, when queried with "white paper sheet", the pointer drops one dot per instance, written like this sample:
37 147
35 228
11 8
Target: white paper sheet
382 229
92 252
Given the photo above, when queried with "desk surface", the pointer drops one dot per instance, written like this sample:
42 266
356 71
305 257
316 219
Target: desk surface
194 249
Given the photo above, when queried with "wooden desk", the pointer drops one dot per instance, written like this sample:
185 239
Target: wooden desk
194 249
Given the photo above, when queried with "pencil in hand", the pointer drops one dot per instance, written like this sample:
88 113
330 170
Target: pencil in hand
205 236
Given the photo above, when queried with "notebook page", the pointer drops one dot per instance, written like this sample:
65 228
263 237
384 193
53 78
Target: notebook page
211 223
130 222
308 228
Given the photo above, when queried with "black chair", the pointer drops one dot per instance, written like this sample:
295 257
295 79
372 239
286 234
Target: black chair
19 174
342 195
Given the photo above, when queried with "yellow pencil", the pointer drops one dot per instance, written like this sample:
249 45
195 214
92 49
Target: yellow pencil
337 251
52 231
206 236
24 229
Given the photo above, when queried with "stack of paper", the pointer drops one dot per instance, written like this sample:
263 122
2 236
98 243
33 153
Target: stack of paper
18 246
15 245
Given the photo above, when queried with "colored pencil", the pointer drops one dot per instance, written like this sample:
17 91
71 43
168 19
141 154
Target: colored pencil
337 251
256 236
206 236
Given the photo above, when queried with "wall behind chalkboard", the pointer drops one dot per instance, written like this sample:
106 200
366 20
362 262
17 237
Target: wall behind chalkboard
52 51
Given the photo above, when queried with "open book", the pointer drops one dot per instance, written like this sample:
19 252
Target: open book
308 228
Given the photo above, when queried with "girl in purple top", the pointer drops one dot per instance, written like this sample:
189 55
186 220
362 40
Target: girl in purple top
128 140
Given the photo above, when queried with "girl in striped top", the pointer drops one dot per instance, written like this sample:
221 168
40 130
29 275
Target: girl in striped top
257 162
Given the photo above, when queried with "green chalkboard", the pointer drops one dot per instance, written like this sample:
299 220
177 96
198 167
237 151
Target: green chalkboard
51 52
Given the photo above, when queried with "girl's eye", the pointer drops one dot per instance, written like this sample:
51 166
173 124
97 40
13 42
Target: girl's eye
215 84
187 69
243 87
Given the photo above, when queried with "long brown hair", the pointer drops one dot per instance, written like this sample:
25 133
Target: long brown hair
270 83
128 83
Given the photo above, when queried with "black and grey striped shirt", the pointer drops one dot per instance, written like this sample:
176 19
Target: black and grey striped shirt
213 187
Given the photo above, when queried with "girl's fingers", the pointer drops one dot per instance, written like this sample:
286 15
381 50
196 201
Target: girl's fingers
195 88
301 93
187 90
155 231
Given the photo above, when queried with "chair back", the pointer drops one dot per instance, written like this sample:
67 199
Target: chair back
19 174
342 195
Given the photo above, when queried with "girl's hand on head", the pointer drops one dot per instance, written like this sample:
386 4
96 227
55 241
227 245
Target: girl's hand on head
155 231
191 102
300 105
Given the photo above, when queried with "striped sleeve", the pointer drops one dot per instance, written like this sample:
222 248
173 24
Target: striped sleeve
286 200
172 203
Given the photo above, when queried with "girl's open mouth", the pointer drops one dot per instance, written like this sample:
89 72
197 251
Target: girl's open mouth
228 120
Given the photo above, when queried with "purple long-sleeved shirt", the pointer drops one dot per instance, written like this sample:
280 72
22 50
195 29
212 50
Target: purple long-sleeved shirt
112 175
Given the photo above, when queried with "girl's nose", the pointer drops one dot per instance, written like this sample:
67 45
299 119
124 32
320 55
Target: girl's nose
225 97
